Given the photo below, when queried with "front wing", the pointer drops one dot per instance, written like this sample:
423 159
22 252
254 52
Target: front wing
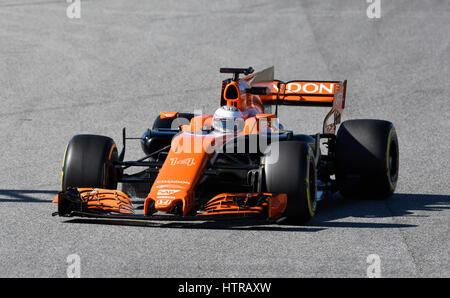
115 204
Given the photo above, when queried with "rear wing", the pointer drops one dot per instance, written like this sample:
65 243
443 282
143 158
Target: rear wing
304 93
308 93
297 93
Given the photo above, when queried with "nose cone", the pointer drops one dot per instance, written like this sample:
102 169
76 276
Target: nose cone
167 203
169 199
180 174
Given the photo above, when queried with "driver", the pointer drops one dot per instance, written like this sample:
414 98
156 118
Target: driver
228 119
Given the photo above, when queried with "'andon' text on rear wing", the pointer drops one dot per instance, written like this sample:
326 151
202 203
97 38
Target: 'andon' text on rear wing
309 93
305 93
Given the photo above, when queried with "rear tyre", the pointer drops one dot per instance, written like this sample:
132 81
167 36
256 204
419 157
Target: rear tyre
367 159
292 171
88 162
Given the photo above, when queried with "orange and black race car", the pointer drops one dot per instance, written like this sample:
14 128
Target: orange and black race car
239 162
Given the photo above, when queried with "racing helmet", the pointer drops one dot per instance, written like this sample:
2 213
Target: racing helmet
228 119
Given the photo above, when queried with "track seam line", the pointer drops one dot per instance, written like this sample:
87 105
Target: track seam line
408 249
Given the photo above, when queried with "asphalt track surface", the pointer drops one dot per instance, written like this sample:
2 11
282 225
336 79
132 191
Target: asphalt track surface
124 61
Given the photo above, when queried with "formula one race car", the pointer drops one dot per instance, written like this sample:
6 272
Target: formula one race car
239 162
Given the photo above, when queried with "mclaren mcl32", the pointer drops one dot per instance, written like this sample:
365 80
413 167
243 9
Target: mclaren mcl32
238 162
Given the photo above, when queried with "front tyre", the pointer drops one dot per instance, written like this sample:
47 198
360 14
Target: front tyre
88 162
367 158
293 171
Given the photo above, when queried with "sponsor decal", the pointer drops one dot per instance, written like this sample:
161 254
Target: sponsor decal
169 186
187 161
167 192
163 202
308 88
174 181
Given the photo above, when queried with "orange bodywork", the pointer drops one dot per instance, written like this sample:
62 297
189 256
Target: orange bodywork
226 204
180 174
102 200
193 147
299 91
168 115
188 156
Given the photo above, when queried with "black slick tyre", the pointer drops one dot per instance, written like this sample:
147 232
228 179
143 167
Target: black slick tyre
367 159
293 171
88 162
